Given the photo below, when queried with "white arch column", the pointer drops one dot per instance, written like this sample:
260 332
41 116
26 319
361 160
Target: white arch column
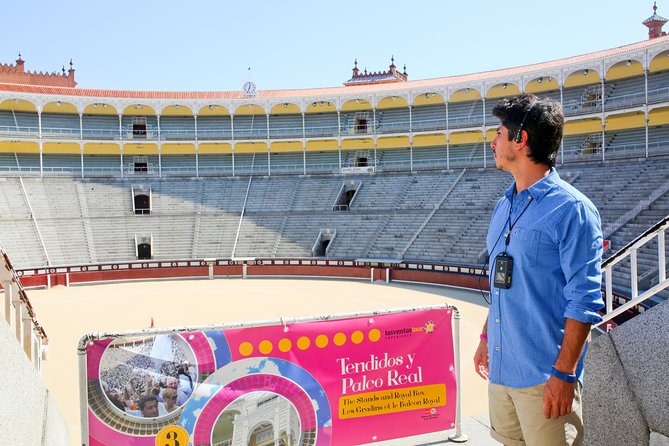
603 121
197 150
647 118
304 145
160 149
339 137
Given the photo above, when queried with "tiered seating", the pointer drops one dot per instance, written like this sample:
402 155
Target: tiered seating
285 126
428 117
211 128
393 120
60 126
465 114
320 124
83 221
103 127
250 127
624 93
177 128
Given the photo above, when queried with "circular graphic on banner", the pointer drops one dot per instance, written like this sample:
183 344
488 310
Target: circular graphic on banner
244 377
258 418
172 435
148 377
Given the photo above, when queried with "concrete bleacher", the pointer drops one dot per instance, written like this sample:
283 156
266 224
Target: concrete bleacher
393 215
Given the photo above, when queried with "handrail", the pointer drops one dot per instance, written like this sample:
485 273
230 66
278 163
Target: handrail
641 205
434 210
630 250
241 216
32 216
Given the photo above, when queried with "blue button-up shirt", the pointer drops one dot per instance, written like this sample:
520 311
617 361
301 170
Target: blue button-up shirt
556 246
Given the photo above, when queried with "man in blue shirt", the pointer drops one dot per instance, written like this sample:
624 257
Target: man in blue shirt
545 245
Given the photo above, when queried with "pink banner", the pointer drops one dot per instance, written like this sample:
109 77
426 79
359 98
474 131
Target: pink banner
334 381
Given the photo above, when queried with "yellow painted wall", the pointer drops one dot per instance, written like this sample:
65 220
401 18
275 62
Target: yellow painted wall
216 110
467 94
214 148
321 107
354 105
283 147
428 99
18 105
490 135
627 121
320 146
577 79
660 62
466 138
498 91
101 109
178 149
143 110
102 149
578 127
621 71
173 110
251 147
393 143
250 109
359 144
140 149
392 102
546 84
429 140
61 147
64 107
659 116
19 147
285 109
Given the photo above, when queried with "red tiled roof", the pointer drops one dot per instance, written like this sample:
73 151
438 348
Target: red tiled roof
332 91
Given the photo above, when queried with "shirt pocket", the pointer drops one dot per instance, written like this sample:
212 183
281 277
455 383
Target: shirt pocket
528 241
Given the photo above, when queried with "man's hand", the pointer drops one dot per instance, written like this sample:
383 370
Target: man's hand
558 396
481 359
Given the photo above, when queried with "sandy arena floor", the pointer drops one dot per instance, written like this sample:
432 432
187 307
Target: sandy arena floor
69 313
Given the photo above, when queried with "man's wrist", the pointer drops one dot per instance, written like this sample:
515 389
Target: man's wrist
566 377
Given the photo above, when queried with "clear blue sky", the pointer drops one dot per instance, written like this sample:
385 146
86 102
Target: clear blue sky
209 45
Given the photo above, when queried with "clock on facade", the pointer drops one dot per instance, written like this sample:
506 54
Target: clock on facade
249 88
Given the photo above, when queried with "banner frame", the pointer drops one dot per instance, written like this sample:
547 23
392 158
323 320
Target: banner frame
457 437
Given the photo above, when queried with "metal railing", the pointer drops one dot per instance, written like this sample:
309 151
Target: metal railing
630 252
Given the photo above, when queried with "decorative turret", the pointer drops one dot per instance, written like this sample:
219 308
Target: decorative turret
16 74
655 24
382 77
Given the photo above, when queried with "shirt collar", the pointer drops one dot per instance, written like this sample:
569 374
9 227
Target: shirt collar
538 189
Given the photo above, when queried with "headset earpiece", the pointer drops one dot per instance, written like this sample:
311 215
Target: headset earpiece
519 134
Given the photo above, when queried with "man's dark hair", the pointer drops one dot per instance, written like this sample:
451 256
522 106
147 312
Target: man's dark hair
145 399
544 124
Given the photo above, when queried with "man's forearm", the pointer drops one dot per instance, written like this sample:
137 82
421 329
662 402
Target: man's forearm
575 335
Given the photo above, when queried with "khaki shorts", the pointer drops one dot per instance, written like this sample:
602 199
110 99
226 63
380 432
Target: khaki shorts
517 418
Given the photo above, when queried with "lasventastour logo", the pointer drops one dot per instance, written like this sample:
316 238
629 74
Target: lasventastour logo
428 327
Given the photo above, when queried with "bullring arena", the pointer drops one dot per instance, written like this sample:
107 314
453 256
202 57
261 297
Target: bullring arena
125 211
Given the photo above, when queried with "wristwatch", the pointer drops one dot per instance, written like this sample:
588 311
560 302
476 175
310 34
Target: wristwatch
566 377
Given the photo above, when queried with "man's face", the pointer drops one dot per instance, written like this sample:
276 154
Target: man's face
502 148
173 383
150 409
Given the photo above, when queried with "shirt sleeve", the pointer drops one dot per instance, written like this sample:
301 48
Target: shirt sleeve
581 246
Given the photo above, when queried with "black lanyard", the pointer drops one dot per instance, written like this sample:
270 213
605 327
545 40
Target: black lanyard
511 225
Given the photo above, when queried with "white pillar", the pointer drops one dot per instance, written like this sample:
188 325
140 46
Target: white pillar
28 334
18 311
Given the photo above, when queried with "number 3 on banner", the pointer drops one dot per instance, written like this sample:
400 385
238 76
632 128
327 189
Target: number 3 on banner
172 436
